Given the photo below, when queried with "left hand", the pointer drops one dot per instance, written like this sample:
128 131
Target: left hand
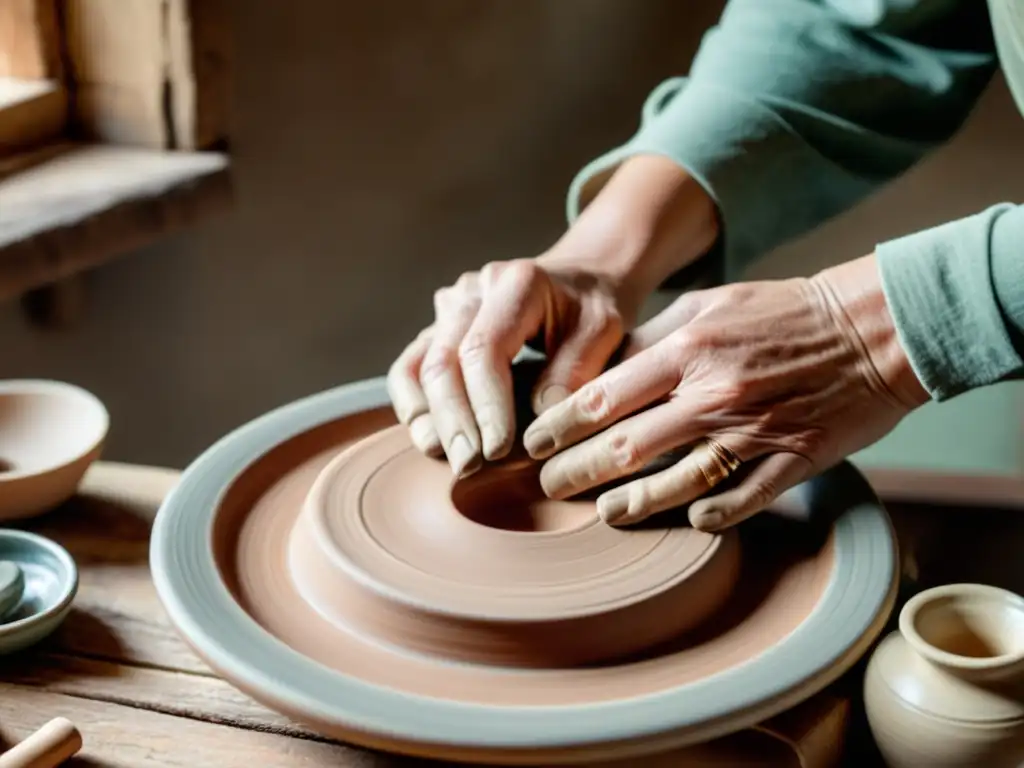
774 381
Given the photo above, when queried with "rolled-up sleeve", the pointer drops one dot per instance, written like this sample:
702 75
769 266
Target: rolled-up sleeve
956 293
793 110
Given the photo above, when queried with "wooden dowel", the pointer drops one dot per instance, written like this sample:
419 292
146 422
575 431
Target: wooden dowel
48 747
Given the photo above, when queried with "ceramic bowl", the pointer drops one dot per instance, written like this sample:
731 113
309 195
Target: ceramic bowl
51 582
50 432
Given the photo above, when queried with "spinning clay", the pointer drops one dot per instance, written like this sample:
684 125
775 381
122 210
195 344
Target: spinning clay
319 562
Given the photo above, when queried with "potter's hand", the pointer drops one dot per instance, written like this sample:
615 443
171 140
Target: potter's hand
453 385
785 377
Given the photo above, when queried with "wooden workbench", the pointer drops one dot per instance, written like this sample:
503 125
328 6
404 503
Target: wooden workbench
141 698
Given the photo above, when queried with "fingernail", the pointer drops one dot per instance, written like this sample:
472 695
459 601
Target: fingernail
425 436
495 439
708 521
613 506
539 443
495 448
550 396
465 460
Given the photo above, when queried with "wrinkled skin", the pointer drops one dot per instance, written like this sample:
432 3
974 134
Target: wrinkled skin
774 371
785 377
453 385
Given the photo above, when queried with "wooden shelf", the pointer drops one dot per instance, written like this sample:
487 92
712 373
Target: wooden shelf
72 207
32 112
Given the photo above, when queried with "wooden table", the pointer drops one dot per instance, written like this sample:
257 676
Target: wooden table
141 698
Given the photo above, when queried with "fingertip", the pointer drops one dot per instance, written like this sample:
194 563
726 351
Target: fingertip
496 449
538 442
553 485
424 436
464 456
708 519
613 506
471 469
497 431
549 395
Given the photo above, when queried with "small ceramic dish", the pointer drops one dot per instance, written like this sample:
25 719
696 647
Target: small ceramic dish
50 432
50 585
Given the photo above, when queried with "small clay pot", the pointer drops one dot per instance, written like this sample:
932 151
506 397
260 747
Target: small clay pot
50 433
947 689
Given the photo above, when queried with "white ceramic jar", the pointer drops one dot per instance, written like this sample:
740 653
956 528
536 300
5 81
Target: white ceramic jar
947 689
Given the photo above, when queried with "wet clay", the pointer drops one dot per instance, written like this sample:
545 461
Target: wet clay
365 557
387 547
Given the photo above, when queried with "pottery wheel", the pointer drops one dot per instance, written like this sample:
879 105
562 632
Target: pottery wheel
321 564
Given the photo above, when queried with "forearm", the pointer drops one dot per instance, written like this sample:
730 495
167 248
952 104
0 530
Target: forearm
854 295
649 221
793 111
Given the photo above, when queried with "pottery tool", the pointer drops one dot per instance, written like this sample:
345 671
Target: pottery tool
12 586
325 567
48 747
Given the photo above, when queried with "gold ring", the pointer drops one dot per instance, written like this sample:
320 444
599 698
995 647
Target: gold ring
719 462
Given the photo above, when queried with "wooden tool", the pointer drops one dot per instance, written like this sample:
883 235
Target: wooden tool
48 747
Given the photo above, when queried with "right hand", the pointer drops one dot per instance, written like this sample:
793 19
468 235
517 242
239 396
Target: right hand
452 386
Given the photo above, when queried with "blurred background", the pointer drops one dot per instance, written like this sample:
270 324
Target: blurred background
382 148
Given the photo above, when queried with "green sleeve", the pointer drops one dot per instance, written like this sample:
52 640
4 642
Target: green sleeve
796 109
793 110
956 293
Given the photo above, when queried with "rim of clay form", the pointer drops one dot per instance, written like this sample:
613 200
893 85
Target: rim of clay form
482 612
945 598
18 632
855 604
476 588
61 389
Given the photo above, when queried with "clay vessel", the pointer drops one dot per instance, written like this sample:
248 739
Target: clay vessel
50 433
488 570
947 689
325 567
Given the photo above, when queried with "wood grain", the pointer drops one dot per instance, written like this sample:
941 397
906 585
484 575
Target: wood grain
30 40
199 69
85 206
117 736
121 673
197 697
117 615
32 113
117 55
811 731
150 73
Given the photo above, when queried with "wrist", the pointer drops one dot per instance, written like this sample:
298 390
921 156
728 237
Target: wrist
649 221
857 288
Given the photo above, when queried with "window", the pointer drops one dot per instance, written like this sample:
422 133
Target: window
113 132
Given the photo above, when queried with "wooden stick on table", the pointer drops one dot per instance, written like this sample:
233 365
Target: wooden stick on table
48 747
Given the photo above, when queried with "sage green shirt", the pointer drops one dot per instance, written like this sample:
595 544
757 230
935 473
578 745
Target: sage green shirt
794 110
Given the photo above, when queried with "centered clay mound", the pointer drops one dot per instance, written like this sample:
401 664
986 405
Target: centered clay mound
352 584
386 546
